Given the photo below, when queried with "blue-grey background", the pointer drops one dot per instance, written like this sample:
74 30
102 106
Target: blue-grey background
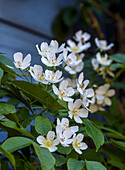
37 16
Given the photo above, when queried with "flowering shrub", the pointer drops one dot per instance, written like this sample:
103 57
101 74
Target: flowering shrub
46 116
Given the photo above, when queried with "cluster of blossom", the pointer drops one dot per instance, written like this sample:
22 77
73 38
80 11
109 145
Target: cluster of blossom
101 98
71 59
65 135
101 63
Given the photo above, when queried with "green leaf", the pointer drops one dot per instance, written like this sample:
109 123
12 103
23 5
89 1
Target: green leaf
118 57
116 65
114 108
39 94
95 133
6 108
8 70
15 143
1 74
46 158
60 160
7 61
42 125
13 125
92 165
119 85
117 164
28 120
119 144
64 150
9 156
74 164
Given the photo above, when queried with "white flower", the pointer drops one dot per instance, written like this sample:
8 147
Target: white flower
51 60
52 77
103 60
20 62
103 93
95 107
44 49
82 37
95 63
88 94
77 48
75 69
77 144
49 142
54 46
76 111
64 92
81 85
71 82
64 132
37 73
70 59
102 45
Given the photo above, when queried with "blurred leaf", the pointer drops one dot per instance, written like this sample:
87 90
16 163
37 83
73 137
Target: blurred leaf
7 61
117 164
60 160
119 144
9 156
114 109
6 108
94 133
1 74
15 143
74 164
22 114
42 125
28 120
42 96
116 65
46 158
118 57
119 85
92 165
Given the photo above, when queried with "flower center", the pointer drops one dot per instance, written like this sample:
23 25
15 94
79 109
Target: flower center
48 143
75 111
19 63
75 49
40 77
76 144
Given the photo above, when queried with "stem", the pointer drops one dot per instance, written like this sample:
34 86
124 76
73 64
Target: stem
23 74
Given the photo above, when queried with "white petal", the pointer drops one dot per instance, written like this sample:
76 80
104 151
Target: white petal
79 137
70 91
68 99
65 122
18 57
108 101
111 93
83 146
61 48
97 43
80 78
77 119
56 141
45 61
77 103
40 139
70 105
63 84
56 91
38 69
83 113
89 92
109 47
50 135
95 63
74 129
52 149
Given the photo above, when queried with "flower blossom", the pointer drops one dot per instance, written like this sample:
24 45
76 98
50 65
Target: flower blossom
102 45
64 92
77 144
64 132
77 112
77 48
20 62
103 93
74 69
43 50
82 37
37 73
52 77
103 60
48 142
51 60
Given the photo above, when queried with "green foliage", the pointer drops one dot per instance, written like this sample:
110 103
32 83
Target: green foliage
46 158
7 61
92 165
42 125
74 164
95 133
6 109
60 160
